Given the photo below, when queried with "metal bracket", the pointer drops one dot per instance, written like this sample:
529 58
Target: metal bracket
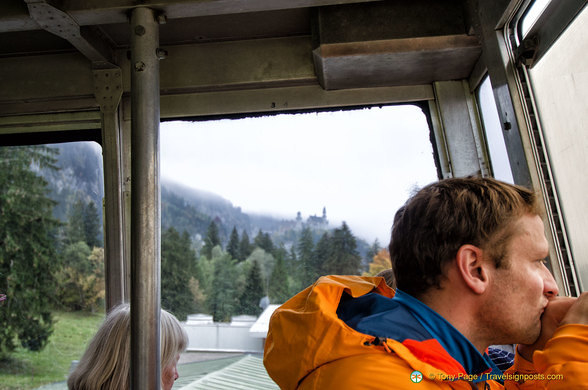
527 51
108 88
60 23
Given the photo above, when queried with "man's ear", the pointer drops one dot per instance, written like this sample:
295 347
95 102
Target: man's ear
472 268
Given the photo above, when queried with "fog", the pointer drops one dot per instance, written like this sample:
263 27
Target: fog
361 165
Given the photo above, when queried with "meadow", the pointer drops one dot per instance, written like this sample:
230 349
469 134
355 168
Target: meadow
29 370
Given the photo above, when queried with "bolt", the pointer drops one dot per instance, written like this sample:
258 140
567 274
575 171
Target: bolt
161 53
140 30
161 19
139 66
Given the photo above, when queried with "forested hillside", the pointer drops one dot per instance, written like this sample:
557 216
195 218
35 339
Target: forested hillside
191 210
79 177
215 257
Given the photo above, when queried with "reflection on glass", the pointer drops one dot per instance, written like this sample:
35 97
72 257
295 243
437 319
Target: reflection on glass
494 138
559 83
532 15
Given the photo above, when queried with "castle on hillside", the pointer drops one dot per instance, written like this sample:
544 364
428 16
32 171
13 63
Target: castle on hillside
313 221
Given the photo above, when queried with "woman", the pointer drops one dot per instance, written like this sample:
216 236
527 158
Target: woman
106 363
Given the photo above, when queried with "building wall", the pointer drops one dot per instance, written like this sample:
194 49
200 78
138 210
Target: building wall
206 335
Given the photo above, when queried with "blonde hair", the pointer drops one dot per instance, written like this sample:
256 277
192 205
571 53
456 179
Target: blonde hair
105 364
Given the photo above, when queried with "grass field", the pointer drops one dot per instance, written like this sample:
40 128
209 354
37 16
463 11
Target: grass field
29 370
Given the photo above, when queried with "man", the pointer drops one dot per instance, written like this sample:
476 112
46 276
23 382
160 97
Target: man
468 256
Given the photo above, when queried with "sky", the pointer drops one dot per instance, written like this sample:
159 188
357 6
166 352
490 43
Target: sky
361 165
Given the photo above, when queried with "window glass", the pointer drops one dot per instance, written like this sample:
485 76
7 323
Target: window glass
493 130
359 164
559 83
532 15
256 209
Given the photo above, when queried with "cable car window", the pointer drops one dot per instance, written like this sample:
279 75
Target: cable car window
493 130
51 259
266 190
531 16
558 82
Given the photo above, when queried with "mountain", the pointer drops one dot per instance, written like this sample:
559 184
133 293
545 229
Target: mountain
80 177
191 210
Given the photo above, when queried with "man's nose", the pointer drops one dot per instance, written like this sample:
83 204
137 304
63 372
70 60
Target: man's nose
550 289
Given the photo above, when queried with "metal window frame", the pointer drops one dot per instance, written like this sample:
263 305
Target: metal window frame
552 22
524 54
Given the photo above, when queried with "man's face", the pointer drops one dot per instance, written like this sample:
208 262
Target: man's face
519 293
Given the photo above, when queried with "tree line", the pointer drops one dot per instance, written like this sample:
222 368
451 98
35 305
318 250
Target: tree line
235 279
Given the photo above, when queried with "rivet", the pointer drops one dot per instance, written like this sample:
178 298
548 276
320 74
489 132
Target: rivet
161 53
140 30
139 66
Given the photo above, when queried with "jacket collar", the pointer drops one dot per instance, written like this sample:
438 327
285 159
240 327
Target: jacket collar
409 321
454 342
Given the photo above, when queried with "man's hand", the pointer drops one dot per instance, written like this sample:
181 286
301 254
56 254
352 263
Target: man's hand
554 314
578 313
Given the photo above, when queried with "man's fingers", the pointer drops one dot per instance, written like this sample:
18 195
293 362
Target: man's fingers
578 312
552 317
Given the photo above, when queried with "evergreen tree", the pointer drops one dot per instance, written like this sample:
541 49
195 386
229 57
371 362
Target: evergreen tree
212 239
27 248
281 252
83 224
305 252
177 259
264 241
254 291
321 254
268 244
221 298
92 228
372 251
344 259
233 245
278 286
258 240
244 246
291 263
74 230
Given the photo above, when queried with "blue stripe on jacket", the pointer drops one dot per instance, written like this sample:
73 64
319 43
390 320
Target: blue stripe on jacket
405 317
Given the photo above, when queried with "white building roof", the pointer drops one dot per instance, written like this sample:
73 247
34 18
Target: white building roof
260 327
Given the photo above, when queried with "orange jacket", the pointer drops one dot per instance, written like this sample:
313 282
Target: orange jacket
309 347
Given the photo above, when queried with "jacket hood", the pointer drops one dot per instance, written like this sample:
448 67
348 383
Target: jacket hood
305 332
